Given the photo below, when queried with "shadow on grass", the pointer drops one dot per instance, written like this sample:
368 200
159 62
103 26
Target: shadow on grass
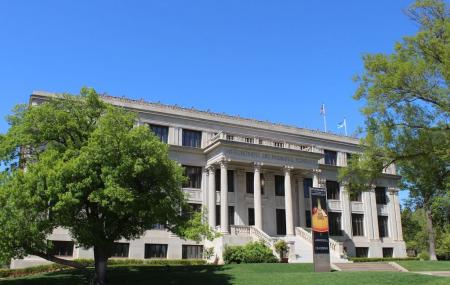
186 275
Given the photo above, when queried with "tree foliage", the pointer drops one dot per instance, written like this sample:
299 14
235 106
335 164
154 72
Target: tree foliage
80 164
407 108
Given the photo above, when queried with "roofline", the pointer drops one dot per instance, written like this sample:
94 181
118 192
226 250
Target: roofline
224 118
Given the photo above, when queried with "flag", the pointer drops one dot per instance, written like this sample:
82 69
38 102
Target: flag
322 110
341 124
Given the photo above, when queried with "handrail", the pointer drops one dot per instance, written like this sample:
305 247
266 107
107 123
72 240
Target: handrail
335 246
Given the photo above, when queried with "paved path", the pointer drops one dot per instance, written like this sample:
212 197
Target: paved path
435 273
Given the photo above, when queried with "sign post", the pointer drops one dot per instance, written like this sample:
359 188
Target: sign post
320 237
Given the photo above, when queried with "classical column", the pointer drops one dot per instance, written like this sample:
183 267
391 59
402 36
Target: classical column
257 195
223 197
346 211
392 219
288 201
316 177
301 202
398 216
373 203
212 196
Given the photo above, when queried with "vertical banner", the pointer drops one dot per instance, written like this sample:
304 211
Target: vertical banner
320 237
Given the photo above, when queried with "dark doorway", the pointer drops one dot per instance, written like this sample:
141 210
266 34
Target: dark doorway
281 222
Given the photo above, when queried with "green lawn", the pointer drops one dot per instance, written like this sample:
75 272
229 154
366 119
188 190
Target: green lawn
416 265
244 274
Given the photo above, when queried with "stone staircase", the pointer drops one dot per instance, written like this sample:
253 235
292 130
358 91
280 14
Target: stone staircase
300 244
305 245
366 266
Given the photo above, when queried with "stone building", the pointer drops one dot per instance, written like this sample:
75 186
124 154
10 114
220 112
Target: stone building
252 179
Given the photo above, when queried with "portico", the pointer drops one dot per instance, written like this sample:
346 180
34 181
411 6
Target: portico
226 152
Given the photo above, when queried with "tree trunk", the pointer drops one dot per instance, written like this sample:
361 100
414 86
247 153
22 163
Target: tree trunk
101 259
431 234
58 260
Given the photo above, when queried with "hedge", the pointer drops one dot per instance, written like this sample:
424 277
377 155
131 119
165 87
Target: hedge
90 263
253 252
376 259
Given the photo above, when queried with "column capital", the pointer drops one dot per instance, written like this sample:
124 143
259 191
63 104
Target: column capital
257 165
317 171
224 162
287 169
210 168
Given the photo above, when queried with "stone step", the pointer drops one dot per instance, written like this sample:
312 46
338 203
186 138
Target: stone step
366 266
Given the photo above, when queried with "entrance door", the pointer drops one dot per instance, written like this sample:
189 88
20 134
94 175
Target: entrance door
281 222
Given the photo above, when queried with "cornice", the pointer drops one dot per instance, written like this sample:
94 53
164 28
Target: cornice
222 118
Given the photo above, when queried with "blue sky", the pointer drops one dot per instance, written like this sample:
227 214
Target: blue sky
269 60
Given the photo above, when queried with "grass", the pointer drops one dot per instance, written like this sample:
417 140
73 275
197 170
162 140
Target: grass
243 274
417 265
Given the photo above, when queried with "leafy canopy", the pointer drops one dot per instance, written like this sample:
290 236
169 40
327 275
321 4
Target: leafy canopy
88 168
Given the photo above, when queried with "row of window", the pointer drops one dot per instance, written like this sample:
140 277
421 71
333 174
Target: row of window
152 250
194 174
122 250
364 252
335 224
190 138
193 138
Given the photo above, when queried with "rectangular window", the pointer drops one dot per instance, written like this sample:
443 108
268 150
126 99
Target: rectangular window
308 218
307 182
332 190
380 195
191 209
362 251
251 216
61 248
192 138
280 217
279 185
162 132
120 249
355 197
153 250
218 215
383 226
349 157
194 175
330 157
192 251
388 252
335 223
231 215
230 178
358 224
249 182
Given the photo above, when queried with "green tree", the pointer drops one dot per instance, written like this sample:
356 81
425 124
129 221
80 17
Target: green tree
80 164
407 107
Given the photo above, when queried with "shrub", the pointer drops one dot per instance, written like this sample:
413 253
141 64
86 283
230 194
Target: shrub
253 252
281 247
375 259
90 263
424 256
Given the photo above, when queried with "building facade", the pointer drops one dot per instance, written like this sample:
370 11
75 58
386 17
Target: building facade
252 179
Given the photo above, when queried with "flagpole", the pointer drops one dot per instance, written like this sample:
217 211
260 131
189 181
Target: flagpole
323 113
345 126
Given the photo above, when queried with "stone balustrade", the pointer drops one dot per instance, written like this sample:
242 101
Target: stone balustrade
263 141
